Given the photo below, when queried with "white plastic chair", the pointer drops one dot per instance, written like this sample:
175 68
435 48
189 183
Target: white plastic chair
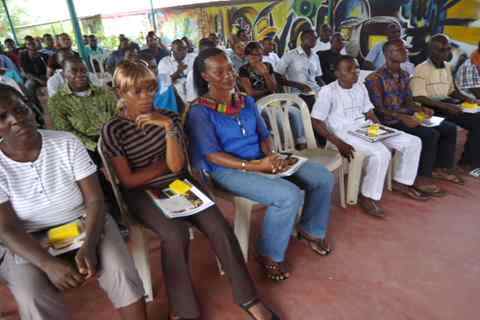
102 77
137 233
276 106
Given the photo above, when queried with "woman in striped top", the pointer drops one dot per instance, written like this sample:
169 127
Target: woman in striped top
145 145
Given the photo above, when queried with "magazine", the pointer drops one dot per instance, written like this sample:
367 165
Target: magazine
381 133
180 199
432 122
468 107
295 163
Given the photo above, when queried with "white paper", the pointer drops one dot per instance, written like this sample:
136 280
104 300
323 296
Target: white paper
433 122
294 168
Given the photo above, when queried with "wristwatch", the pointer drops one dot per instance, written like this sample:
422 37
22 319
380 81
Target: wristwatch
244 165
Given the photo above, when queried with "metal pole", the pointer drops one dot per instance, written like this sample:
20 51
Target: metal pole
154 20
76 29
10 22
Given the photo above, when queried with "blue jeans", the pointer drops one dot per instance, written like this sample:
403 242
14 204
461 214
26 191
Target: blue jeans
284 198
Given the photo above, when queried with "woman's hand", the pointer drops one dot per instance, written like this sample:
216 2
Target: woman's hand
62 275
261 68
154 118
86 260
273 163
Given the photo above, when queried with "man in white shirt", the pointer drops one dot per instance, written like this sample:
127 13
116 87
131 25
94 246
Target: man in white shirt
174 68
376 56
191 90
324 35
344 105
301 68
269 54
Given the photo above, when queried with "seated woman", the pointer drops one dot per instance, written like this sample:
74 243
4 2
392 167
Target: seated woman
145 144
230 141
47 179
257 79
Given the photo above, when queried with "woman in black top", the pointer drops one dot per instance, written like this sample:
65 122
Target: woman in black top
256 77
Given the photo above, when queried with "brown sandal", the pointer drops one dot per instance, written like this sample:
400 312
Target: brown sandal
276 271
431 190
319 246
448 175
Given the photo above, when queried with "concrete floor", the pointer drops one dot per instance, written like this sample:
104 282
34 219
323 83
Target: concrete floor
421 263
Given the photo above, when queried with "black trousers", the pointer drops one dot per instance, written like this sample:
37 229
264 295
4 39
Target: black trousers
438 146
470 122
175 241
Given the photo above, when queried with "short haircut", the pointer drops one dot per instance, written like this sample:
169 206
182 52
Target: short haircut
240 31
439 37
253 45
71 60
205 43
178 42
343 58
305 32
386 46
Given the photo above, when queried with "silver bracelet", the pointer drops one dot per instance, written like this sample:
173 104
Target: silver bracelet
171 133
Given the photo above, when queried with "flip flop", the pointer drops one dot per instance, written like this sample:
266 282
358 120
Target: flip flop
412 193
448 176
431 190
475 173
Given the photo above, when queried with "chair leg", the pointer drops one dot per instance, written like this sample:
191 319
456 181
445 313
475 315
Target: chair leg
389 175
354 177
220 267
341 186
139 248
243 211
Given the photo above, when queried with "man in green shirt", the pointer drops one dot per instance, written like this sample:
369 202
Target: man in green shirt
81 108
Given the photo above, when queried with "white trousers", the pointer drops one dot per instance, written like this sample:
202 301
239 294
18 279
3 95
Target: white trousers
377 159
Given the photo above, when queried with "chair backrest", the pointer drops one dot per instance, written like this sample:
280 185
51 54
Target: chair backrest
276 107
115 182
98 60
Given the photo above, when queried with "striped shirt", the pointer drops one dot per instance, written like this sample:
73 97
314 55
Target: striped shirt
141 147
44 193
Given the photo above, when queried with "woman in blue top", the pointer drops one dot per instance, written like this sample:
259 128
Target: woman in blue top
230 141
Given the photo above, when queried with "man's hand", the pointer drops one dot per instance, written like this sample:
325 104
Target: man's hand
155 118
345 149
409 121
305 88
273 164
62 275
429 112
86 260
181 67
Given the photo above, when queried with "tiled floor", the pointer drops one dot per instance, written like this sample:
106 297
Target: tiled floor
421 263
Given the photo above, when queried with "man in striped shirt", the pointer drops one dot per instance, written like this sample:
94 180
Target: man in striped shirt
48 179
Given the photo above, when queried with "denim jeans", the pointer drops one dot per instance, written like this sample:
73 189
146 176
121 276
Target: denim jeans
284 198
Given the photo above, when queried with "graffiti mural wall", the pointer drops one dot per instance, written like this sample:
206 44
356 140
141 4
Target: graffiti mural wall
360 20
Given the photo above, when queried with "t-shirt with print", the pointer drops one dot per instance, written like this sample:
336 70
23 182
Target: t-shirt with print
257 81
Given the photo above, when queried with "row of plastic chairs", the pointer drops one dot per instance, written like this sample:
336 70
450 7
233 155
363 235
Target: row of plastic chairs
276 108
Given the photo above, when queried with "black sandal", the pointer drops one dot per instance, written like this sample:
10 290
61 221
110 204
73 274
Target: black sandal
276 271
247 306
319 246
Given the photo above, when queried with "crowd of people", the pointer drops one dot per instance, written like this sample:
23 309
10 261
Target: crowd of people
192 112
